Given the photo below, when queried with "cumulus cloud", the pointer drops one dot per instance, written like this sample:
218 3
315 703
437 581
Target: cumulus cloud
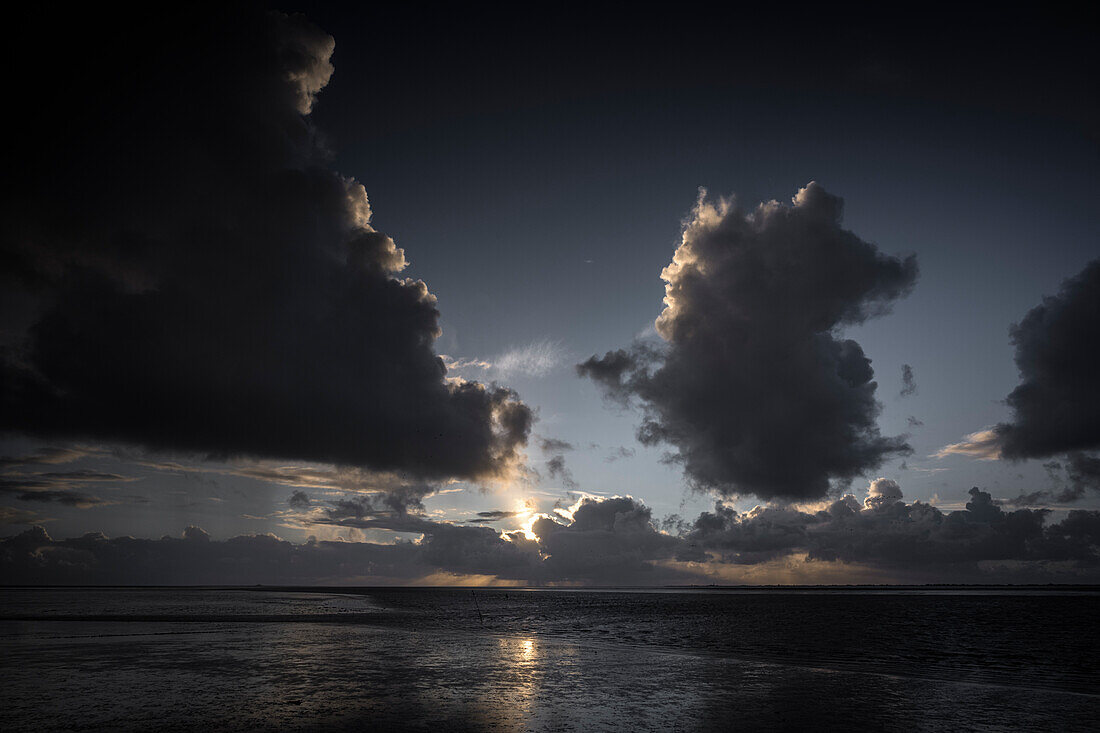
206 282
607 538
754 389
882 494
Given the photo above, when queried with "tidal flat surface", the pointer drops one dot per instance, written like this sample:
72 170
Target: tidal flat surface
450 659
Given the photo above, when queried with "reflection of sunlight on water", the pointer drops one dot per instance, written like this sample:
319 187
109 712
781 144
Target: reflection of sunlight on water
520 652
520 657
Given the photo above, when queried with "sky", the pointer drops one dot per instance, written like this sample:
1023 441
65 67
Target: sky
319 294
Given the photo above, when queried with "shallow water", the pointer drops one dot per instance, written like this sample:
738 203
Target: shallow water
81 659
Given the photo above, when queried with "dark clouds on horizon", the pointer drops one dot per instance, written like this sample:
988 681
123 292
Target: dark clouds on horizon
887 532
754 389
184 271
607 541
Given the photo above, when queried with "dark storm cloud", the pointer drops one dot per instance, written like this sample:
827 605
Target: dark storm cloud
914 422
1056 407
299 499
1083 471
755 390
183 270
908 383
614 371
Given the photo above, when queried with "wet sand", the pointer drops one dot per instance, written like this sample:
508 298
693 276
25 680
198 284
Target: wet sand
143 675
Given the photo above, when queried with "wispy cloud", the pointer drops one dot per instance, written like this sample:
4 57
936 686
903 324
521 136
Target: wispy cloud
984 445
533 360
51 455
454 365
536 359
11 515
618 453
56 487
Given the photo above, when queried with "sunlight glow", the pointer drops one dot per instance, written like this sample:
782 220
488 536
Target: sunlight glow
526 517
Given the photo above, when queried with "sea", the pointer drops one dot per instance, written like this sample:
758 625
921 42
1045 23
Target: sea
441 659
